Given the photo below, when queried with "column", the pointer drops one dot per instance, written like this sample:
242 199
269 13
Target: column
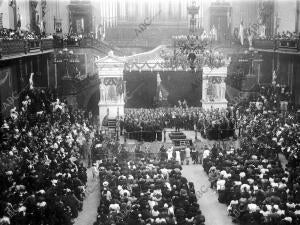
55 73
48 77
124 92
223 89
204 89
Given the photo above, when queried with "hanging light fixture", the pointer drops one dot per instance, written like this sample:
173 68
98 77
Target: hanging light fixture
68 59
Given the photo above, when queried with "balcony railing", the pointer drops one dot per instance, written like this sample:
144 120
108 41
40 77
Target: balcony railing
84 43
12 47
280 44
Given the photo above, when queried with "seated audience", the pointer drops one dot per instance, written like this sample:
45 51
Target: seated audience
252 180
42 179
146 192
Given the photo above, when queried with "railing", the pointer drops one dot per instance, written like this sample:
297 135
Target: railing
85 43
143 135
47 44
281 44
264 44
10 47
292 44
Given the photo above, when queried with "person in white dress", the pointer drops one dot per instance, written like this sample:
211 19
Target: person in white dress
170 153
187 155
178 159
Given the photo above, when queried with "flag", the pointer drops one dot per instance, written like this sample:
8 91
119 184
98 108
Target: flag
241 33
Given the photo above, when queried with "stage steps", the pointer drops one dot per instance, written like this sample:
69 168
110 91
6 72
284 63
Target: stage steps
179 139
112 127
177 135
182 142
112 123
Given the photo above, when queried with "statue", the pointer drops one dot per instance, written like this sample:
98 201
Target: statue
102 91
262 31
31 81
223 90
241 33
204 97
213 34
111 93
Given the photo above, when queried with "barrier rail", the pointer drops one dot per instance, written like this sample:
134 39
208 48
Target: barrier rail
18 46
83 43
144 135
10 47
161 135
281 44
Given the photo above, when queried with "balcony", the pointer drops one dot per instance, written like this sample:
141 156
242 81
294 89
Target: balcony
279 45
86 42
17 48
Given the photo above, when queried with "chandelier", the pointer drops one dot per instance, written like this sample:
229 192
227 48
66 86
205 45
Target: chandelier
193 10
68 60
191 51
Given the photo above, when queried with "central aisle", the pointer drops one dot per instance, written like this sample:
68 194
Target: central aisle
88 215
214 212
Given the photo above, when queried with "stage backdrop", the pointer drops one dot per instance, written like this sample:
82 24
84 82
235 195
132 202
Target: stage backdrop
142 88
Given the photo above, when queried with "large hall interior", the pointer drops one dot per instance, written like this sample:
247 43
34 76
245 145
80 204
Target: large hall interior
149 112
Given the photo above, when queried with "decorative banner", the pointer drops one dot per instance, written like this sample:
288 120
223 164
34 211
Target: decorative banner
215 80
110 81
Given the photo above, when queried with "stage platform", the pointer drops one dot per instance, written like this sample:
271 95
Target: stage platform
189 135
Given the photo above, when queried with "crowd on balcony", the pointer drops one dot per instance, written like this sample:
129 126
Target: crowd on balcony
42 177
251 180
11 34
146 192
287 35
213 124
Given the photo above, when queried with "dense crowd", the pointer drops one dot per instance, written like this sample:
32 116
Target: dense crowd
146 192
287 35
42 179
213 124
251 180
11 34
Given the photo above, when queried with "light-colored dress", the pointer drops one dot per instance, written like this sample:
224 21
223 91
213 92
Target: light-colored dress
170 153
178 159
